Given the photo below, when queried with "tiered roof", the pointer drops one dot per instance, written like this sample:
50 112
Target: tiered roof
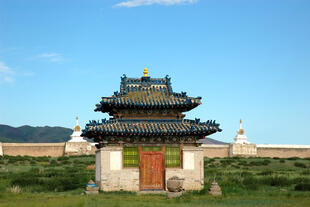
140 127
147 93
143 95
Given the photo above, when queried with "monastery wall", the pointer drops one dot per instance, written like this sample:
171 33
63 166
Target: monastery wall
34 149
215 150
262 150
209 150
283 151
47 149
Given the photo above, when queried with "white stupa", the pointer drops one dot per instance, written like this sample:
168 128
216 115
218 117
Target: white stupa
240 138
76 135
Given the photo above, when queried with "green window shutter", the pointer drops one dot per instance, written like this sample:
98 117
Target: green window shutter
172 157
131 157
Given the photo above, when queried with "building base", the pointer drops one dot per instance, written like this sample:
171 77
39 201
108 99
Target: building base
242 150
1 151
112 176
78 148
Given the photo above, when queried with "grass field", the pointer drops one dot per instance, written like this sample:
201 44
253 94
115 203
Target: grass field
44 181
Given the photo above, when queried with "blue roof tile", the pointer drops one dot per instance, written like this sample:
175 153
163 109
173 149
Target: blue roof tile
161 127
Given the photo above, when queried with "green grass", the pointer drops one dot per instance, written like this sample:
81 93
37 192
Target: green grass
47 181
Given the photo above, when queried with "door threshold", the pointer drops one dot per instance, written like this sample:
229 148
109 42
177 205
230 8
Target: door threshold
152 192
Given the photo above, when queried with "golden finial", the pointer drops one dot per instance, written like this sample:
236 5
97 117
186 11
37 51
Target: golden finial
145 72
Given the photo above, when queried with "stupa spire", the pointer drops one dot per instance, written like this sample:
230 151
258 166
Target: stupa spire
240 137
77 121
76 135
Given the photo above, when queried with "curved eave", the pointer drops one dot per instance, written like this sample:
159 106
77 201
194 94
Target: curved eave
108 107
150 129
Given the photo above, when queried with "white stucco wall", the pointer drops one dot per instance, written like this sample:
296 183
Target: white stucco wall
111 176
193 169
1 151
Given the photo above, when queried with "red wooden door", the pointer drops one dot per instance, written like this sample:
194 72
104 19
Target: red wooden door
151 171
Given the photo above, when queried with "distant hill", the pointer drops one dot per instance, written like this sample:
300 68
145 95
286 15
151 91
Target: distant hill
34 134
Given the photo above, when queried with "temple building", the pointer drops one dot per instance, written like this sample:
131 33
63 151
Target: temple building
147 140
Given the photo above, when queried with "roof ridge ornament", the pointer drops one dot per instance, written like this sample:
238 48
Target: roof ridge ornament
145 72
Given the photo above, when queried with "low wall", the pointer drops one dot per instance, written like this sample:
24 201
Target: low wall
263 150
47 149
34 149
283 151
209 150
215 150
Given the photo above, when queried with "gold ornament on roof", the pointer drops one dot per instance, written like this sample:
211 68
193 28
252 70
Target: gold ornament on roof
241 130
145 72
77 128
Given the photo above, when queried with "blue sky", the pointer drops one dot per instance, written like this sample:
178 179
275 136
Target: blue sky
248 59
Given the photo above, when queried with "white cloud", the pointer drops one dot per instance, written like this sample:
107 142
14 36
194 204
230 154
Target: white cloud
52 57
136 3
6 73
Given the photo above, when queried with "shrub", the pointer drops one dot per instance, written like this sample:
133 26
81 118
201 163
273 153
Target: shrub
66 162
265 172
53 162
303 187
42 159
14 159
249 180
305 172
299 164
226 162
50 179
77 161
276 181
62 158
242 162
246 174
259 162
301 180
282 161
4 184
26 179
293 158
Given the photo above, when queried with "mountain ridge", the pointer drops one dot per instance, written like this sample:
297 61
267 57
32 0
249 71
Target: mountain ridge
27 133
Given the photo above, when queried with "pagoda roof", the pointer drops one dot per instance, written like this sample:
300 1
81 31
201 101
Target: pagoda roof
147 93
140 127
